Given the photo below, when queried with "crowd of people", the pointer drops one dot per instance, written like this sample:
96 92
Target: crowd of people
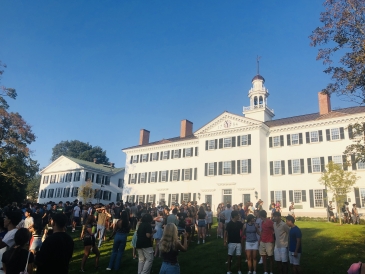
35 236
350 216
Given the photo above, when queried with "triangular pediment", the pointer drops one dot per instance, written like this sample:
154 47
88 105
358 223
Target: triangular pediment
227 121
61 164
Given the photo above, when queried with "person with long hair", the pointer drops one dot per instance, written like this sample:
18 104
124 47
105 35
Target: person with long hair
201 216
169 249
158 231
18 258
250 230
221 220
209 220
144 245
89 243
188 225
120 231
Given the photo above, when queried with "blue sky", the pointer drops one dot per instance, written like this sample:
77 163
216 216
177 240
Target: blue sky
99 71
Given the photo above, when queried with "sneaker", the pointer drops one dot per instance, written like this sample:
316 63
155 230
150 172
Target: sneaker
73 230
81 270
108 268
229 272
260 262
266 273
203 241
198 242
249 272
254 272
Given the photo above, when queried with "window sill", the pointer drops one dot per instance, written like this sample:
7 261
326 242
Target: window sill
336 140
296 174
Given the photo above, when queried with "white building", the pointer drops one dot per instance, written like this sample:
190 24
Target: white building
62 179
236 158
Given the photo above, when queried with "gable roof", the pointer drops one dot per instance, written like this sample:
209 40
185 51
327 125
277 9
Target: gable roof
92 165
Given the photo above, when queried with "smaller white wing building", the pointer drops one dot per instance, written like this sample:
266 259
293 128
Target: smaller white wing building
239 158
62 179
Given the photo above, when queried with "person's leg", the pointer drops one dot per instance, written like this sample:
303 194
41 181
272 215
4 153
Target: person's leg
254 259
148 254
239 262
271 259
229 263
204 233
114 251
199 232
86 255
97 256
102 231
121 247
249 259
264 262
141 260
156 248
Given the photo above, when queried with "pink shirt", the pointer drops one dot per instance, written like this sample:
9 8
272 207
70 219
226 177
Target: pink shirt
267 231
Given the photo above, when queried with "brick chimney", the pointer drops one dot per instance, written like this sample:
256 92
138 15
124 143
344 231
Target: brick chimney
186 128
144 137
324 101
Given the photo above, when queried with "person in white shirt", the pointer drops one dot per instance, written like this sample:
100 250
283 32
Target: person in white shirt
29 221
76 218
12 218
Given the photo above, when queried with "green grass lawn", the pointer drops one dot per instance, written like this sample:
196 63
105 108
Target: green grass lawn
327 248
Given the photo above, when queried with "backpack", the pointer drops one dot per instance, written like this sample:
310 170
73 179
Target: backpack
343 209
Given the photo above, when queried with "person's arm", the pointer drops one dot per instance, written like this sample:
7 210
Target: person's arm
297 247
115 229
225 237
4 267
30 265
184 247
2 244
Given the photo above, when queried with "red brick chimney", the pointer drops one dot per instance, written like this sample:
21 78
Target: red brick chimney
144 137
324 101
186 128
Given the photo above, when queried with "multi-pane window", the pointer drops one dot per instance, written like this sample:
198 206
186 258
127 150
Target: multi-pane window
188 152
151 198
295 139
143 178
185 197
45 179
98 179
173 198
244 166
66 192
53 179
107 180
211 169
276 141
227 167
227 191
244 140
88 176
361 165
144 158
118 198
62 178
337 160
297 196
50 193
362 196
211 144
163 176
162 197
318 198
120 183
135 159
68 177
187 175
107 195
227 142
316 165
278 196
153 177
58 192
131 198
165 155
314 136
277 167
77 176
296 166
154 156
133 178
176 153
75 191
335 134
175 174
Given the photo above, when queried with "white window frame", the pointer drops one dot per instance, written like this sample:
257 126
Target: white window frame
151 198
163 176
50 193
176 153
227 142
295 139
276 141
277 167
153 177
211 144
154 156
318 197
187 175
162 197
185 197
75 192
316 165
165 154
244 140
295 166
135 157
227 168
144 158
337 160
362 197
314 136
244 166
133 178
175 174
278 196
211 169
360 165
188 152
173 199
143 178
335 134
297 196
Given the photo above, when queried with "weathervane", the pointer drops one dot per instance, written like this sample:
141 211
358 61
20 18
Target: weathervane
258 64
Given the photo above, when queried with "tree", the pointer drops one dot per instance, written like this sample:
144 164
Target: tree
86 192
343 32
356 150
339 182
79 150
33 188
4 91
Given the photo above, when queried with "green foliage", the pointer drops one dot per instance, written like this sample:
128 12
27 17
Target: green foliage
357 148
4 91
343 32
79 150
86 192
33 188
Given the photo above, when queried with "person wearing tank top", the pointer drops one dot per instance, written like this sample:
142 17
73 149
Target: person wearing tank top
250 229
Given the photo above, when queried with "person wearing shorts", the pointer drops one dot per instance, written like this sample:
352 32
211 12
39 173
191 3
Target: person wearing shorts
266 240
252 244
232 237
36 244
295 244
281 230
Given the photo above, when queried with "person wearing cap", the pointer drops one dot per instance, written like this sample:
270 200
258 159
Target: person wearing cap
295 244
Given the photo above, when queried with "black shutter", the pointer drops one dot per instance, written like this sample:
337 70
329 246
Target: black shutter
271 168
220 164
322 164
215 168
289 167
320 135
220 143
329 158
161 155
357 197
302 166
281 140
157 156
192 152
311 198
272 197
167 175
328 135
283 167
300 138
189 197
184 153
182 174
354 167
291 196
181 197
233 167
179 153
169 204
129 179
238 166
284 198
171 171
215 143
137 158
249 165
191 174
195 173
288 143
150 157
307 139
148 196
206 169
168 154
196 151
350 132
136 198
131 160
149 177
270 141
172 154
238 141
249 139
206 145
147 157
159 176
304 196
344 162
178 174
342 133
309 165
233 141
139 177
325 198
177 197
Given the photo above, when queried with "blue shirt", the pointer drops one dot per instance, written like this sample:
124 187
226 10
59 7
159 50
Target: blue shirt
294 234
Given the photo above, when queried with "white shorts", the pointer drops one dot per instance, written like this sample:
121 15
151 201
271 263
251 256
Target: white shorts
252 245
294 260
281 254
234 248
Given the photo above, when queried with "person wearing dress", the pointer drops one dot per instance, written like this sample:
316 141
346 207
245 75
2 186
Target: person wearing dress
158 231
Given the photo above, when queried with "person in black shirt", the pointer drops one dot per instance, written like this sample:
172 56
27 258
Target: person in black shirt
57 249
144 244
233 239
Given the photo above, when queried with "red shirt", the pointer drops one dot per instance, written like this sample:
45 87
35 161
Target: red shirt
267 231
